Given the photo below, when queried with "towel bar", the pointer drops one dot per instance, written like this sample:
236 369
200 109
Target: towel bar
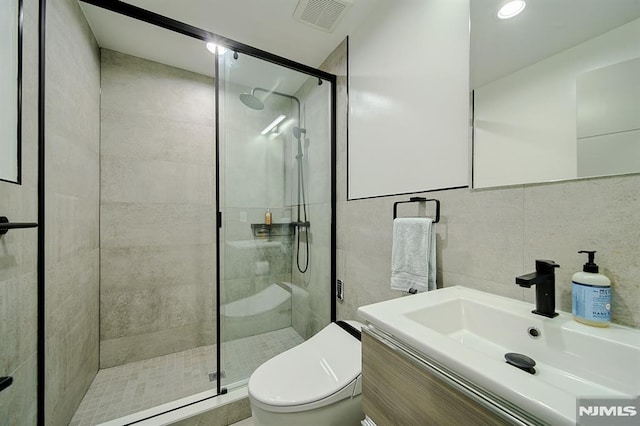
418 200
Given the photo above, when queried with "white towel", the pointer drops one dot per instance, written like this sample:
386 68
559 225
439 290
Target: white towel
413 256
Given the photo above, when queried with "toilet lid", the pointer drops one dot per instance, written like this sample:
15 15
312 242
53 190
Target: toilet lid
309 372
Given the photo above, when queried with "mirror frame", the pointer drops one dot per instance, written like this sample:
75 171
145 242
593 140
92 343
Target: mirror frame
18 104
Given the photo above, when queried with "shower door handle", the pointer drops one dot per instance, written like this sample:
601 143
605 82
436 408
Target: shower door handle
5 382
5 225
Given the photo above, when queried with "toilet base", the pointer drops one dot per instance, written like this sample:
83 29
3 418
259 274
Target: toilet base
346 412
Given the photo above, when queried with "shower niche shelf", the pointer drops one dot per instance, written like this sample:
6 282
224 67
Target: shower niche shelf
262 230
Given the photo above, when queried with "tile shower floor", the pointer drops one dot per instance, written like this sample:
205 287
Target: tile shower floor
127 389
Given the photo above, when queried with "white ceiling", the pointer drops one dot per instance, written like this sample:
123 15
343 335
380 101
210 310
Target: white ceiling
265 24
498 47
123 34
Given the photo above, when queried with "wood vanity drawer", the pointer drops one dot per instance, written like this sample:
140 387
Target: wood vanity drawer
398 390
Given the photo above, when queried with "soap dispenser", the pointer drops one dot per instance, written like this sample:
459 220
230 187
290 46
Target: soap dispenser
591 294
267 217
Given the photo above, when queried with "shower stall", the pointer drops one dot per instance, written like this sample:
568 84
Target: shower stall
217 211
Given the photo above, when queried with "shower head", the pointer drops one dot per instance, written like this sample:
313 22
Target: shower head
252 101
298 131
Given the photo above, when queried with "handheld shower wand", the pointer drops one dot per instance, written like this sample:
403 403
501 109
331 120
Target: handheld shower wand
298 131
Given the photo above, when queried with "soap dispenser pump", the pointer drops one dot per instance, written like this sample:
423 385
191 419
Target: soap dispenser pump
591 294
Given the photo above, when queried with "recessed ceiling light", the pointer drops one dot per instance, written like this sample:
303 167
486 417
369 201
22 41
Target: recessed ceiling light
511 9
212 47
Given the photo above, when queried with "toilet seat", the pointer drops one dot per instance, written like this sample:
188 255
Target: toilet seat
331 361
352 389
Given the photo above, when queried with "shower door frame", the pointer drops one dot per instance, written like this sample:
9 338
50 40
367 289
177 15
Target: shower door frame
153 18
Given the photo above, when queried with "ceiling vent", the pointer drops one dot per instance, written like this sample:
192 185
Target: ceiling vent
321 14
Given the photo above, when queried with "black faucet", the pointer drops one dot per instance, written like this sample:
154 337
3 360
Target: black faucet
544 279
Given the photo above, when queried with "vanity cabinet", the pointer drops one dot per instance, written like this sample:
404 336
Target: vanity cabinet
399 389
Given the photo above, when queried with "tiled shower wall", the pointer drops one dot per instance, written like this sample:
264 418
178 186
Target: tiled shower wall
488 237
72 208
157 205
18 251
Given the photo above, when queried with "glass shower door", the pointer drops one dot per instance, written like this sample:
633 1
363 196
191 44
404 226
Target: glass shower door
275 196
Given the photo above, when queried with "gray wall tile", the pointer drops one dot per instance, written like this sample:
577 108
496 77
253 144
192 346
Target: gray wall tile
593 214
129 268
72 208
155 181
157 210
18 252
141 87
141 224
139 347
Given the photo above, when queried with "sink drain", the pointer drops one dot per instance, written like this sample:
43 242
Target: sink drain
534 333
521 361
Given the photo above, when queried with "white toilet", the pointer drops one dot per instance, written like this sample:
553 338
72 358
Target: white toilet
315 383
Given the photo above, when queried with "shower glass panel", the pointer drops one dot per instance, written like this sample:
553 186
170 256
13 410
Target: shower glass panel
157 220
275 196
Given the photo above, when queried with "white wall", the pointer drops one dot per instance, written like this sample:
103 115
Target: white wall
529 117
8 90
409 80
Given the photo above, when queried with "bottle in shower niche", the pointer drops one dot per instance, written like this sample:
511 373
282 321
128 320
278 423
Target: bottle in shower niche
267 217
591 294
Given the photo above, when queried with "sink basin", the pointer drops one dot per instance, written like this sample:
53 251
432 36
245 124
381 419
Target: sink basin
469 332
